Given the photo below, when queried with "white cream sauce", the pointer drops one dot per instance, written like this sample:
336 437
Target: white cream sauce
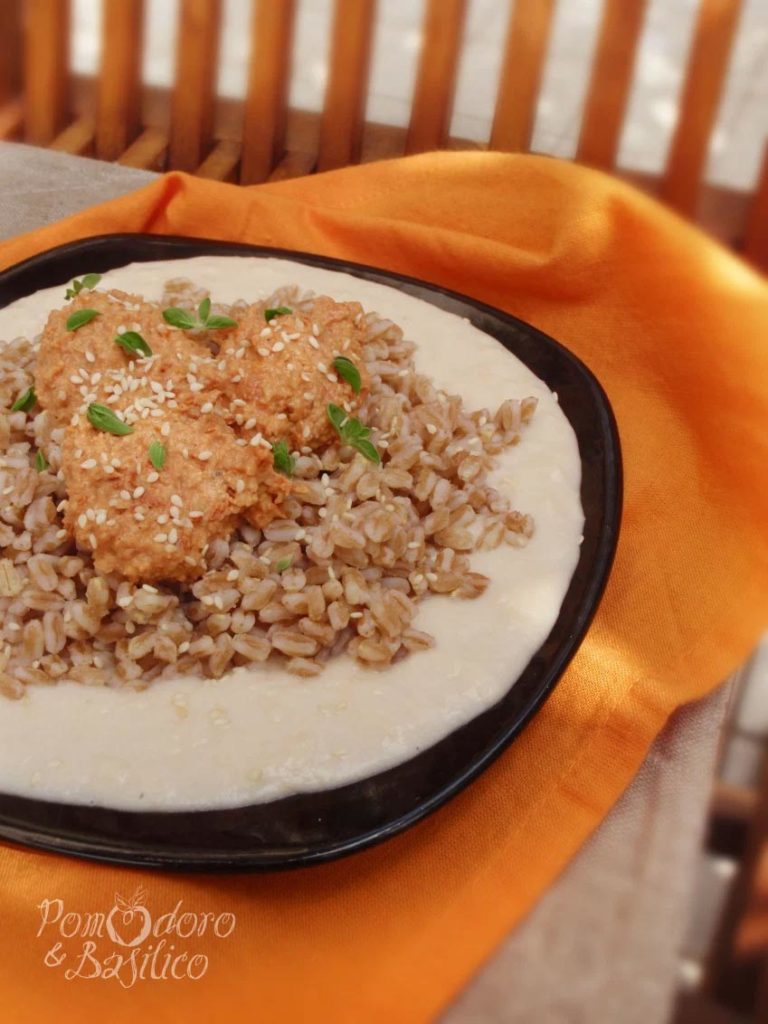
258 734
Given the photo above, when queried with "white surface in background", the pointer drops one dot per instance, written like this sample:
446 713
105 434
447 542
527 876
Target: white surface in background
737 142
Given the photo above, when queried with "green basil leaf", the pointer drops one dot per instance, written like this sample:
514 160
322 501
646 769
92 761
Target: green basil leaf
368 449
204 311
180 318
270 314
220 321
157 454
80 318
284 563
102 418
347 370
282 459
133 343
25 402
89 281
337 416
41 462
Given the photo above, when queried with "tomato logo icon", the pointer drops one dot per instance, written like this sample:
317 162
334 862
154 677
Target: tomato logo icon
129 922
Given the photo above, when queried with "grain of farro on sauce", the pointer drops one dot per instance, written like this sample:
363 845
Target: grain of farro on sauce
344 564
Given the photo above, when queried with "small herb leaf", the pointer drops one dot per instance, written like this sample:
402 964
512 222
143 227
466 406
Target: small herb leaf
270 314
157 454
102 418
368 449
216 321
204 310
353 432
283 563
347 370
282 459
89 281
25 402
81 317
133 344
180 318
41 463
337 416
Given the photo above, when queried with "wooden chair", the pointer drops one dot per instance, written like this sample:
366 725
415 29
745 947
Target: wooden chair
114 117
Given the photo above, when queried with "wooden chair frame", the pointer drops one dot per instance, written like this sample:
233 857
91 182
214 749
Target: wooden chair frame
114 117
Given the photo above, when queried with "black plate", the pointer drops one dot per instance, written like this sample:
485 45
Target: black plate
315 827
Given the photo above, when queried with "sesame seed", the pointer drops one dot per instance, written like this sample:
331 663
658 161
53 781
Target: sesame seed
90 357
265 332
313 342
88 464
207 407
92 539
322 367
138 492
195 515
165 429
82 522
263 351
278 346
152 477
431 428
122 329
173 535
160 538
162 519
204 456
176 500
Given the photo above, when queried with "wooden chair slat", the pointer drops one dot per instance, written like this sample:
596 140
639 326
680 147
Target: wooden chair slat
525 53
705 76
756 237
192 107
344 108
148 152
77 138
119 90
266 98
11 119
10 52
436 80
222 163
293 165
610 82
46 69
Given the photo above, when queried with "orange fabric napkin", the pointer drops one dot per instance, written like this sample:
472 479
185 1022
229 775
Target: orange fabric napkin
676 329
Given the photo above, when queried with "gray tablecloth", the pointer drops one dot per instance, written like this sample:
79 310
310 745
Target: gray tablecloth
601 946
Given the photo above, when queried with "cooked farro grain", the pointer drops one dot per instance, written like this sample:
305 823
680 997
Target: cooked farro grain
362 543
